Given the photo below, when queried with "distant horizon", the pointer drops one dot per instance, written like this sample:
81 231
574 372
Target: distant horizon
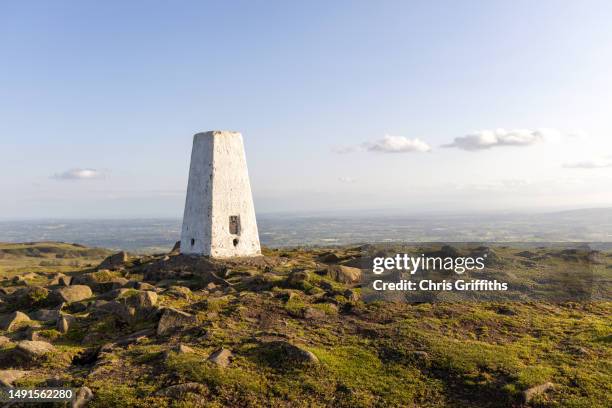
341 213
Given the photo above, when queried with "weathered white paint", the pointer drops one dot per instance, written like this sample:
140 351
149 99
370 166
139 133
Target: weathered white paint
218 188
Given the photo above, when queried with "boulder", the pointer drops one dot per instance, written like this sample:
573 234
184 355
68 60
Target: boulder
19 280
101 281
60 279
179 292
328 258
135 337
73 293
63 323
14 321
114 261
115 308
142 300
290 353
30 276
144 286
297 277
221 357
113 294
28 296
172 319
532 392
45 315
183 349
115 283
34 335
179 349
344 274
7 377
420 355
32 350
83 396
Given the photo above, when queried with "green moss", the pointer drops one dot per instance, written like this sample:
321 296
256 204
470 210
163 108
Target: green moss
193 368
104 276
360 371
295 306
114 394
129 293
217 304
534 375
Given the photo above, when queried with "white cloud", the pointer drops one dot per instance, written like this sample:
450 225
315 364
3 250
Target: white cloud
347 180
388 144
78 174
589 164
397 144
486 139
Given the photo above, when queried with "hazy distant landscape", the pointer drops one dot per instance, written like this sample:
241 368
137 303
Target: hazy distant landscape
151 235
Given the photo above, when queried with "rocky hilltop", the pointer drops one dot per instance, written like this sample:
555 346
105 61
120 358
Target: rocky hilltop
287 329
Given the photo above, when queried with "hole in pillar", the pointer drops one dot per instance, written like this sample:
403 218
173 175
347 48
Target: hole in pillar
234 224
192 242
235 241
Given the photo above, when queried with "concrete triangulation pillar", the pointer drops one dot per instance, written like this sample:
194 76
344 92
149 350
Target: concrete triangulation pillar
219 219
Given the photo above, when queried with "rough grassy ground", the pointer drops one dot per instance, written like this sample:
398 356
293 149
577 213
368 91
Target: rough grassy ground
297 337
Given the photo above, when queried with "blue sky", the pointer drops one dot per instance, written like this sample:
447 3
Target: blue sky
118 89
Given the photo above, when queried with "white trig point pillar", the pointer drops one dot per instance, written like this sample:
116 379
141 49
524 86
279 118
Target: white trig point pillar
219 219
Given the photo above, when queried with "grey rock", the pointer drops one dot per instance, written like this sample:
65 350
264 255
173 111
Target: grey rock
34 349
421 355
172 319
142 300
328 258
60 279
7 377
291 353
115 283
115 261
28 295
532 392
297 277
34 335
179 292
221 357
83 396
19 280
179 349
113 294
73 293
144 286
344 274
116 308
14 321
45 315
63 324
135 337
